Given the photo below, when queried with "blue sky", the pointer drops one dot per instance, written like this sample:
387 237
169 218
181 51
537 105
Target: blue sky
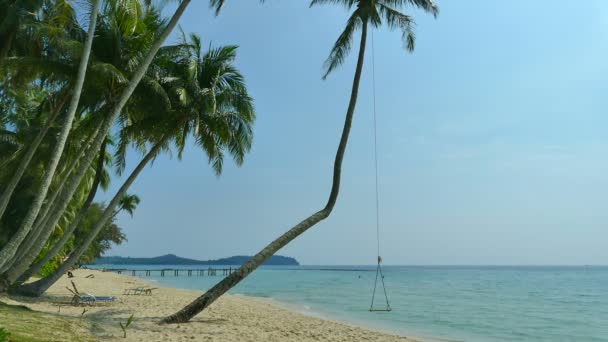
492 140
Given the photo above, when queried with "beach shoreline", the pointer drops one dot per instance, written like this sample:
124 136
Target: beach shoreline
231 318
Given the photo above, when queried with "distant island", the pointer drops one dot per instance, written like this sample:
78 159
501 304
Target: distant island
172 259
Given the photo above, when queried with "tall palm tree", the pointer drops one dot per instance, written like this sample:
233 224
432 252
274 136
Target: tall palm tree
121 35
211 104
11 275
58 245
38 235
365 12
27 157
25 118
62 14
10 249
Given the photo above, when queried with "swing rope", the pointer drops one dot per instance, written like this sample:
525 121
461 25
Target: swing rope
379 267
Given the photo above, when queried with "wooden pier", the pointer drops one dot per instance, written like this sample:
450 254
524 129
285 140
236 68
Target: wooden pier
175 271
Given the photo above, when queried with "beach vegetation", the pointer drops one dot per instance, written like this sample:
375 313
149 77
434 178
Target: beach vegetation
80 96
4 335
25 325
126 326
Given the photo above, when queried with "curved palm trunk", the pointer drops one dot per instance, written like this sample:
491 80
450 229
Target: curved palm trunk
38 287
27 252
233 279
10 276
27 158
11 247
51 204
44 215
73 225
36 243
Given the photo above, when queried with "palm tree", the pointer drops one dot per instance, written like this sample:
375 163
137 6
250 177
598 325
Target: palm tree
25 117
11 275
27 158
211 104
10 249
365 12
121 33
61 13
67 233
128 203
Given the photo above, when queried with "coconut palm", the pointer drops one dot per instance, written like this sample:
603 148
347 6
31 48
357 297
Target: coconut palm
365 12
128 203
116 108
100 179
116 50
18 77
63 15
210 103
119 39
10 249
25 118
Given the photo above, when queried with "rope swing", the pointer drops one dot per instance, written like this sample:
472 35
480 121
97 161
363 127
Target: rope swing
379 274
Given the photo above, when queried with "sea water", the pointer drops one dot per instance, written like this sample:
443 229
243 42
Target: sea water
453 303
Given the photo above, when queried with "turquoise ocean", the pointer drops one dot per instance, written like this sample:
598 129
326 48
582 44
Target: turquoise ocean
437 303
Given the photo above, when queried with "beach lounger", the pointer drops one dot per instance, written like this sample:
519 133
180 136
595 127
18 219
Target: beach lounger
88 299
139 291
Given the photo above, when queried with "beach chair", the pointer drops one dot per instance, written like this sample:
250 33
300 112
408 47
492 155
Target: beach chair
139 291
89 299
133 291
79 298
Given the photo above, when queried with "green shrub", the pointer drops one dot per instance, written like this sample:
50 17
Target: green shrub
4 335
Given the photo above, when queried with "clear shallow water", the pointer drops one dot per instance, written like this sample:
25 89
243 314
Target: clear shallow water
442 303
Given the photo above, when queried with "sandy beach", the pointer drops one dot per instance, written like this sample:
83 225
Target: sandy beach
231 318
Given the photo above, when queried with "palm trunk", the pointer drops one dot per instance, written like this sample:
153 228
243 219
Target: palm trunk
11 247
20 260
57 246
7 279
44 214
30 249
51 203
27 158
37 241
202 302
38 287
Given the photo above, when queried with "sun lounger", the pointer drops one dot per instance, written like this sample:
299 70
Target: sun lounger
139 291
88 299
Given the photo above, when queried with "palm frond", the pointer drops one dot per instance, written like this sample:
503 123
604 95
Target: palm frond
426 5
343 44
398 20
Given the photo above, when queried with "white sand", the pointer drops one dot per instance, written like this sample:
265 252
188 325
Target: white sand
231 318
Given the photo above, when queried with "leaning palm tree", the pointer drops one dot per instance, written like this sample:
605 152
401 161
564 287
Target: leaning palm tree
10 249
100 179
365 12
11 275
211 104
120 36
